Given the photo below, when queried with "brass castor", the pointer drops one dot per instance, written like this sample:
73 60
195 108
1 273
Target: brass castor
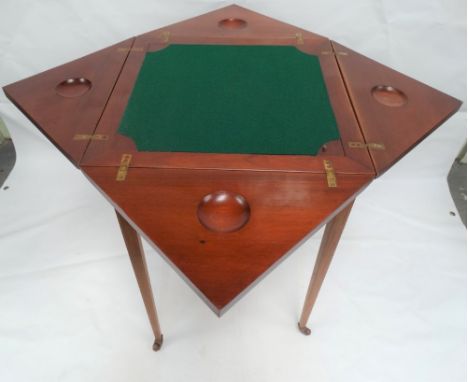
303 329
158 343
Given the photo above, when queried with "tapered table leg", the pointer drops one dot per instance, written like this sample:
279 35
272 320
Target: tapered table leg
330 239
137 258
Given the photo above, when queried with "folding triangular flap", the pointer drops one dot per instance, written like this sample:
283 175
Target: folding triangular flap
66 102
395 112
232 21
167 206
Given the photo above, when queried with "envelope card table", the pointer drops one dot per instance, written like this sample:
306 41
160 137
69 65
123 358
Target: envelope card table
226 140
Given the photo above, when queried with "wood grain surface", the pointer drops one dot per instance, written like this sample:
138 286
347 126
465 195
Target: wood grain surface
330 240
393 109
137 258
224 249
60 115
284 209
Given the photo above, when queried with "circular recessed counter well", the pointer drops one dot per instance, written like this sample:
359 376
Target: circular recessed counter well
389 96
223 211
232 23
73 87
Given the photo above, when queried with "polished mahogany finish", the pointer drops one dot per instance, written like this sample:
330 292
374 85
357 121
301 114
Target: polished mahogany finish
223 221
232 23
69 100
73 87
285 208
137 258
392 109
389 96
223 211
330 239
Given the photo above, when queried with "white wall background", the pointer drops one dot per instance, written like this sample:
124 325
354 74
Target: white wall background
393 306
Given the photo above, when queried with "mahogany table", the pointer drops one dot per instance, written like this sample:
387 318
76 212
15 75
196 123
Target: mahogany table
226 140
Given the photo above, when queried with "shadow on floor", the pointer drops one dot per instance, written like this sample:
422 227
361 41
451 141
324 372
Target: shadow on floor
7 159
457 185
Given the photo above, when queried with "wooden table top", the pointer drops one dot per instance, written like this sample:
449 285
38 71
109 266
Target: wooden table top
223 220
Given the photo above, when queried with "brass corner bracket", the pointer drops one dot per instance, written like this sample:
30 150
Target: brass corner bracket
331 176
363 145
123 168
299 38
90 137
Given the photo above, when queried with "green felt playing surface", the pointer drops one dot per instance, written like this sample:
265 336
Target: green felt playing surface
230 99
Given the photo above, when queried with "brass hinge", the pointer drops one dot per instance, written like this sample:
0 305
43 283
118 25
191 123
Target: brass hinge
299 39
90 137
165 36
134 49
336 53
331 177
123 169
370 146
